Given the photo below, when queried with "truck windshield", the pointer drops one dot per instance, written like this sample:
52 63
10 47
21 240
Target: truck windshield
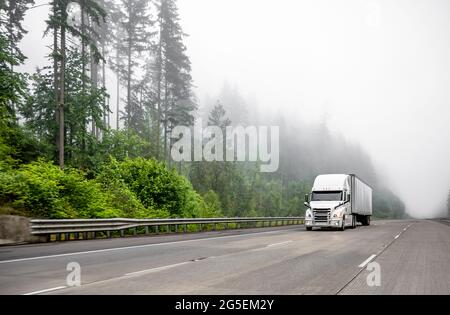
326 196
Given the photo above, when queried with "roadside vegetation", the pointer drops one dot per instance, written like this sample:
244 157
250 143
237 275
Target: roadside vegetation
67 152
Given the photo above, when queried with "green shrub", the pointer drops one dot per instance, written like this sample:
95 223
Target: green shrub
121 197
155 186
134 188
42 190
212 206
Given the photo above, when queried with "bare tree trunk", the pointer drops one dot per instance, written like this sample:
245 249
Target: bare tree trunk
166 109
94 81
103 32
55 79
105 111
109 116
11 48
117 91
159 109
129 83
61 94
83 68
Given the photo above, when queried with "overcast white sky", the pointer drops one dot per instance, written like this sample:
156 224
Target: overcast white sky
379 71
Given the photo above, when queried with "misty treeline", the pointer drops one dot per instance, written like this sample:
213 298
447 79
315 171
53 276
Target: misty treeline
448 204
62 154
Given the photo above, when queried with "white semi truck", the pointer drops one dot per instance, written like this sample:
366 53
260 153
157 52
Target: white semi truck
338 201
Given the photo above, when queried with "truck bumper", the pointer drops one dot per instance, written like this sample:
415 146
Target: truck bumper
335 223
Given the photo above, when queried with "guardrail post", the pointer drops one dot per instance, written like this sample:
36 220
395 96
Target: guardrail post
201 227
108 234
146 229
168 228
122 233
184 228
176 228
134 231
156 229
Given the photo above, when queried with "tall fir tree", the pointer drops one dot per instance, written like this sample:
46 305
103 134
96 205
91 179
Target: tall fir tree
173 81
136 22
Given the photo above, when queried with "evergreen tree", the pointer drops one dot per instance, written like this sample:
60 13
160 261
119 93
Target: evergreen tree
173 81
12 13
62 29
136 22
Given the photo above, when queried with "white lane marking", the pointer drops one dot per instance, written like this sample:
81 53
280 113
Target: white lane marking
135 246
46 290
156 269
405 229
281 243
368 260
397 236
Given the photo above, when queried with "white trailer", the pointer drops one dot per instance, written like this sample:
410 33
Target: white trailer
338 201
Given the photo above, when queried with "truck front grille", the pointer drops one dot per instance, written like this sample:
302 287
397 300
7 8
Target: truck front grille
321 215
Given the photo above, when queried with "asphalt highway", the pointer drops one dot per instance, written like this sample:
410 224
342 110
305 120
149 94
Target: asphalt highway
413 257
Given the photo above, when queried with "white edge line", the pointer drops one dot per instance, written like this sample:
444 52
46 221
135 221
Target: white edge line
281 243
365 262
46 290
156 269
136 246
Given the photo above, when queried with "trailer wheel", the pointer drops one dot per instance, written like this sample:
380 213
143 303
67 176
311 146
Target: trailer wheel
366 220
353 222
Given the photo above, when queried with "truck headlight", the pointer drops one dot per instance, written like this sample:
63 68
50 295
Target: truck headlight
308 214
338 213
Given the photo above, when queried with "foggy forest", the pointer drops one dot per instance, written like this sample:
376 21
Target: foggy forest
87 132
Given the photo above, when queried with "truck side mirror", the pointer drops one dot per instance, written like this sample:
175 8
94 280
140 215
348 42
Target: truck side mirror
306 204
307 198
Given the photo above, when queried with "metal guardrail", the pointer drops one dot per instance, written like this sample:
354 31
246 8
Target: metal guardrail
69 229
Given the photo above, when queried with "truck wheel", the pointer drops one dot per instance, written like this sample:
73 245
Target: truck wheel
309 228
343 225
353 222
